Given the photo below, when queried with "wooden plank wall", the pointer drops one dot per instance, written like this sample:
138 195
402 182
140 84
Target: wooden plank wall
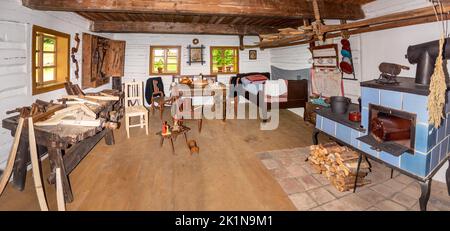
14 74
291 58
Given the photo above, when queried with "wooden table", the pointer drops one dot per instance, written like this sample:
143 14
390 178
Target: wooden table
66 145
173 136
200 91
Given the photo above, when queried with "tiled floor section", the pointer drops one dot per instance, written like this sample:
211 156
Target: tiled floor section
311 191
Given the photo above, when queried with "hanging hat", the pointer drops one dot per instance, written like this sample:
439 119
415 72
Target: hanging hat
345 43
346 67
346 59
346 53
345 47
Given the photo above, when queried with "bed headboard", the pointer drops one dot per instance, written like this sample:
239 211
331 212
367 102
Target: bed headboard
267 74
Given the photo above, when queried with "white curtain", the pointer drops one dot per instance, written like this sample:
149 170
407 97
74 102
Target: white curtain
327 83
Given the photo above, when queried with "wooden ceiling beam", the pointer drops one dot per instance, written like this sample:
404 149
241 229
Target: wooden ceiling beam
256 8
235 20
411 17
212 19
178 28
219 20
196 19
380 27
405 15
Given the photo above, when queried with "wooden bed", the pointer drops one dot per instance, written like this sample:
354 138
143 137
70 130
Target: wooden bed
297 93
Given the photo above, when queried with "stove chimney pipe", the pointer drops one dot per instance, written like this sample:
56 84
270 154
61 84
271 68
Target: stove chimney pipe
425 55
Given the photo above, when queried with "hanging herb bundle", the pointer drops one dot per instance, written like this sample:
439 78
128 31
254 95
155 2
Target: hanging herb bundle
438 88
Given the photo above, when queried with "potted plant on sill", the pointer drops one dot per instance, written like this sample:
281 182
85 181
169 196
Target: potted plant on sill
221 63
228 63
160 66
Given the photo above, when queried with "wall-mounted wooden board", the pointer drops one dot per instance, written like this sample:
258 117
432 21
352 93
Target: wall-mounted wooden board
115 58
102 58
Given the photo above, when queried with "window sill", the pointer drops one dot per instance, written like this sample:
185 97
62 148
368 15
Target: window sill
225 73
47 88
157 74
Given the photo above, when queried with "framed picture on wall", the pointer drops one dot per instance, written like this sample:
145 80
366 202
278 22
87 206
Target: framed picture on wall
252 54
195 54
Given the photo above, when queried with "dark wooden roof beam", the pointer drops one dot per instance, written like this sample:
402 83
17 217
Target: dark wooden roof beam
219 20
235 20
178 28
212 19
255 8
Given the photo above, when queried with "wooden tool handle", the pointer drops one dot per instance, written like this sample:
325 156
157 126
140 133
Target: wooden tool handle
12 156
35 167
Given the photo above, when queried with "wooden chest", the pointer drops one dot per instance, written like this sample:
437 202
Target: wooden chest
309 114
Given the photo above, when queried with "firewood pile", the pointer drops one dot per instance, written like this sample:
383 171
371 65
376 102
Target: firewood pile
338 164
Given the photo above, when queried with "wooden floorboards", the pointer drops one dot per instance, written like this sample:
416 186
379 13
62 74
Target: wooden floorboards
136 174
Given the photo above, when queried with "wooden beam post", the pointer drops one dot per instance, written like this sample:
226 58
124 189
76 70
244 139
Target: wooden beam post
241 42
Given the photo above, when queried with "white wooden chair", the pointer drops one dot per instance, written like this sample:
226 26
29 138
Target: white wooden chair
134 106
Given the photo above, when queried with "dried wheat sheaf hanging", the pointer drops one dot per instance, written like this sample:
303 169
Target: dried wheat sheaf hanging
438 87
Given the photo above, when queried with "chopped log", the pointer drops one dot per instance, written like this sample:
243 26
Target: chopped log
348 155
338 164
